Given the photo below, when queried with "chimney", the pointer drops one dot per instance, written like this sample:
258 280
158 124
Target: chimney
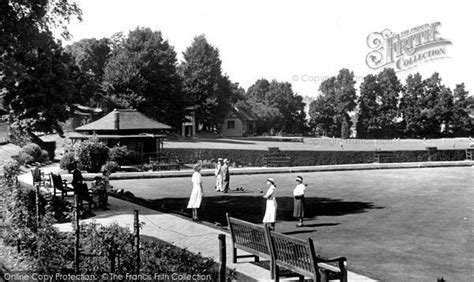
116 119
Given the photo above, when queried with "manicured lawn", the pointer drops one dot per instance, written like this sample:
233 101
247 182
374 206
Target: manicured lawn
323 144
393 225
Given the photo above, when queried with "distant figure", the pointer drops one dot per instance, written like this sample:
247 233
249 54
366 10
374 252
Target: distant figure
197 193
218 175
80 188
99 193
225 176
271 206
298 194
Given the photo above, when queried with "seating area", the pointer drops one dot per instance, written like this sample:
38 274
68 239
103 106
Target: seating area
292 254
164 162
61 188
385 157
276 158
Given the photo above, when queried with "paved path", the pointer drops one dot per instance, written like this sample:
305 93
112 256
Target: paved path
182 232
195 237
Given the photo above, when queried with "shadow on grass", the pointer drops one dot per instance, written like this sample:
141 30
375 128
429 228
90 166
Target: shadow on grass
252 209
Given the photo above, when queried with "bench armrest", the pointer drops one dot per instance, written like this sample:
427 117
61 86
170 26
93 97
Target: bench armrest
338 259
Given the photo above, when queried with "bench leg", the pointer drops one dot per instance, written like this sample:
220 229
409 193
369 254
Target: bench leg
272 270
234 255
257 258
301 278
276 274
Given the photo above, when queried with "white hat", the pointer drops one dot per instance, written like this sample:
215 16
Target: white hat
271 180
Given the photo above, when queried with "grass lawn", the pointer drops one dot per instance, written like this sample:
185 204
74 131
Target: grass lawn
393 225
323 144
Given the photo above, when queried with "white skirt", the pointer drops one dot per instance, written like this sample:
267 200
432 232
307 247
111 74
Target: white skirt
196 198
270 211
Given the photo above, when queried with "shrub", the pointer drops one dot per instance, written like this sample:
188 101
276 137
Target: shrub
111 166
92 155
68 162
32 153
11 170
119 154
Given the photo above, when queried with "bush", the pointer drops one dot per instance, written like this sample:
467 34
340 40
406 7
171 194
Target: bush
311 158
11 170
32 153
92 155
111 166
68 162
119 154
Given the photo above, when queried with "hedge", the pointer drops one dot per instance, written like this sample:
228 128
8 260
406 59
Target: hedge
311 158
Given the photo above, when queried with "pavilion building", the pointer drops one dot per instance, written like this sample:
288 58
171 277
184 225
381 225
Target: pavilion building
139 133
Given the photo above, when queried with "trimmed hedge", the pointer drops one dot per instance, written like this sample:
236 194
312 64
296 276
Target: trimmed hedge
311 158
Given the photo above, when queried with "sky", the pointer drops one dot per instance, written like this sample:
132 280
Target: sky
302 42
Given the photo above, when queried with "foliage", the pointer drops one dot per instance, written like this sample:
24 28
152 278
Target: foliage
38 79
119 154
312 158
278 108
92 154
141 73
331 109
11 169
204 85
111 166
68 161
91 56
32 153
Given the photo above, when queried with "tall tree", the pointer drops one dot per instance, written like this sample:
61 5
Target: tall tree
37 78
277 106
412 93
462 125
366 124
91 55
203 83
390 88
340 97
142 73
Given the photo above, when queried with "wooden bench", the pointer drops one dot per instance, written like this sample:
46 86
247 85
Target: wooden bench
385 156
299 257
250 238
277 161
469 153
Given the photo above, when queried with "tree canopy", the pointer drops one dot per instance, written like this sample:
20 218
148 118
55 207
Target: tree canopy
142 73
37 79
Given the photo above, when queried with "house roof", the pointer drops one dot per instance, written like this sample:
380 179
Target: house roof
243 114
123 120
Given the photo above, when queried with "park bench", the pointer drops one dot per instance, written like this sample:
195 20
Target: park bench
276 158
385 156
469 153
299 256
163 162
250 238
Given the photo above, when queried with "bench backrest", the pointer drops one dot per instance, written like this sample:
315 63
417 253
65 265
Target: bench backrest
293 254
36 174
57 181
248 236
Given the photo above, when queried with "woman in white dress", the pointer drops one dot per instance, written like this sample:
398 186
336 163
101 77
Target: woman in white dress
197 193
271 207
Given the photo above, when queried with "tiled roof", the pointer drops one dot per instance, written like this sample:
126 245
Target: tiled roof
124 120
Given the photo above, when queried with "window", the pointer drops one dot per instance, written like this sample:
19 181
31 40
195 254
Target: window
230 124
